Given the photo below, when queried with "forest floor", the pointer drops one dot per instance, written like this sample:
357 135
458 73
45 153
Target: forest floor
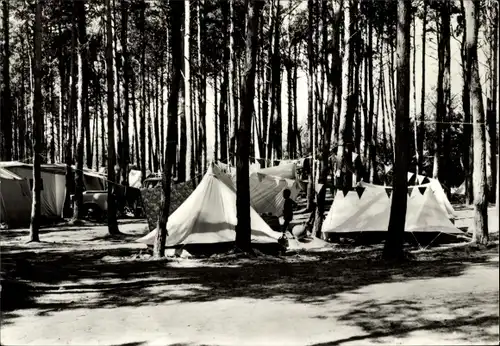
80 287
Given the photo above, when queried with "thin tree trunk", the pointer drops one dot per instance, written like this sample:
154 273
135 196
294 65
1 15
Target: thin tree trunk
37 125
333 78
187 91
136 121
421 126
472 19
142 113
243 227
22 115
310 105
216 119
73 104
276 79
6 118
203 88
112 222
393 248
346 117
79 8
176 14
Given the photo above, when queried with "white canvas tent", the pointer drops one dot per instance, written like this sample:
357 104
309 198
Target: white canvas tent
371 212
439 193
15 199
53 191
208 216
287 171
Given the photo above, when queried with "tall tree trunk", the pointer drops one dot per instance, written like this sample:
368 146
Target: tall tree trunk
187 91
243 227
142 113
310 104
125 154
393 248
202 85
267 91
73 104
22 118
491 135
467 150
112 222
276 89
216 119
372 123
232 99
472 20
333 78
176 14
6 118
79 8
443 93
421 126
136 121
37 125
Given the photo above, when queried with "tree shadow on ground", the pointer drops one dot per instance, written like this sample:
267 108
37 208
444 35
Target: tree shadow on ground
97 278
460 320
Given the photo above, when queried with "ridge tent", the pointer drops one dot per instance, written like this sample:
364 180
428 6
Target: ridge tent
53 191
287 171
15 199
435 186
370 211
208 216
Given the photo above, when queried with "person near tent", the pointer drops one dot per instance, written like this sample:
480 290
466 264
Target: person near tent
287 212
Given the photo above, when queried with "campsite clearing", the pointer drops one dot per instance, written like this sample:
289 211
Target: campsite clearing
80 287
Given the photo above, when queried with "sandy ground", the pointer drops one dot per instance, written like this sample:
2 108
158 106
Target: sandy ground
79 287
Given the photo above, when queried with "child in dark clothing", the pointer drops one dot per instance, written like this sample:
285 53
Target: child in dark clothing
287 212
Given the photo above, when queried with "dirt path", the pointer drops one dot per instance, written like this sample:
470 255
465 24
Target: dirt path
89 290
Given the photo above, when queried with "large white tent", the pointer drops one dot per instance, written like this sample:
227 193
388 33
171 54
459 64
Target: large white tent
208 216
53 191
266 192
15 199
368 209
288 171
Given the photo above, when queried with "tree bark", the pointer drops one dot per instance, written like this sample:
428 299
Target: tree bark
73 104
202 86
243 227
393 248
310 104
112 222
346 117
37 125
142 114
276 88
187 91
472 20
333 74
421 126
443 94
6 118
125 152
467 151
176 14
